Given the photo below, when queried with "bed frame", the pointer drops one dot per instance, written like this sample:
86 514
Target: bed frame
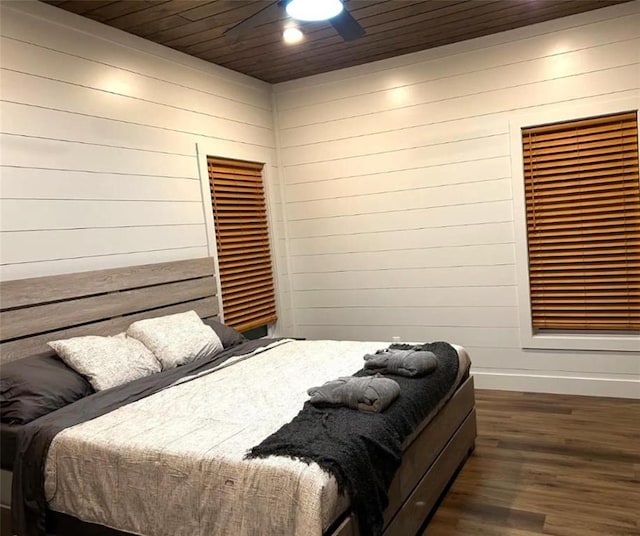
429 464
34 311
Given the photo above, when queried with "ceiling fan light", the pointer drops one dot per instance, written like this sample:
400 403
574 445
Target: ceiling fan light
292 36
311 10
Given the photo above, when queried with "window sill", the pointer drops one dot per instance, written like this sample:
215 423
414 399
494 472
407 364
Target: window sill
582 341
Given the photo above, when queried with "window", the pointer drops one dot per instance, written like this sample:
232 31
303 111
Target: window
582 202
242 239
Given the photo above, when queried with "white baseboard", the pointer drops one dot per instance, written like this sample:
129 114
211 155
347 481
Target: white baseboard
571 385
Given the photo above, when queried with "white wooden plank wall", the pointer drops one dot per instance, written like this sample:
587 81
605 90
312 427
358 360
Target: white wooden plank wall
98 134
398 189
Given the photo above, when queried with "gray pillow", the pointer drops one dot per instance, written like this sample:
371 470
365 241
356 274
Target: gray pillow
228 336
36 385
107 361
176 339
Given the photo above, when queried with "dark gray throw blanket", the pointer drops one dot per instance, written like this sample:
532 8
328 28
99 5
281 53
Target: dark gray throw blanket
373 393
363 450
402 362
29 505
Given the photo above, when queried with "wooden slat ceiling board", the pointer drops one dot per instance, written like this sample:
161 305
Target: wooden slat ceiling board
393 28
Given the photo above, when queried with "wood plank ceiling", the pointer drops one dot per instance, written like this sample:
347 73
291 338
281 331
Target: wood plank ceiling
393 28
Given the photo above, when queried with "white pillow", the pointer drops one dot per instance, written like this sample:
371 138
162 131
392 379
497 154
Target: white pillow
107 361
176 339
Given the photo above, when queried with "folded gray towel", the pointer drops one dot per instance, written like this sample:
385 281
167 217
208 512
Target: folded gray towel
364 393
410 363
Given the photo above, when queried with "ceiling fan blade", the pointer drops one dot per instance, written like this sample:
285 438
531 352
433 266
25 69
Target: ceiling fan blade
348 27
267 14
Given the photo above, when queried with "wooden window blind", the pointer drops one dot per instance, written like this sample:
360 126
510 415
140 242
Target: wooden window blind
242 237
583 223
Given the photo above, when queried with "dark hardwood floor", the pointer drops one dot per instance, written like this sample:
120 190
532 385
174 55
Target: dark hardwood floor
547 464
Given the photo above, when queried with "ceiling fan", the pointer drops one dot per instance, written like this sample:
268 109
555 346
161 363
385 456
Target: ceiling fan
332 11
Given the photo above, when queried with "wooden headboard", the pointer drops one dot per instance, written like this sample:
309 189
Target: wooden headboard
103 302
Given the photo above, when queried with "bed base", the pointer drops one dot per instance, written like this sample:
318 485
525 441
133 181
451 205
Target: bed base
430 463
105 302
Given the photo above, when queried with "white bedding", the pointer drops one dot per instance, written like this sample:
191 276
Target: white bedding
172 464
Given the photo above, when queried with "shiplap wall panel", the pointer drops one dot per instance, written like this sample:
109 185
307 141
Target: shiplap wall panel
29 58
418 136
419 198
606 56
399 190
410 152
493 211
420 237
473 275
382 160
39 246
498 296
457 317
29 120
40 91
100 168
30 183
418 178
124 51
410 258
33 214
554 90
27 151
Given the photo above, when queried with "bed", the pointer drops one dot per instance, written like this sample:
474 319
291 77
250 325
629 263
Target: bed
82 501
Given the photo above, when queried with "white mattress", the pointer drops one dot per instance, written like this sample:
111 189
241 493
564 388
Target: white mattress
172 464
